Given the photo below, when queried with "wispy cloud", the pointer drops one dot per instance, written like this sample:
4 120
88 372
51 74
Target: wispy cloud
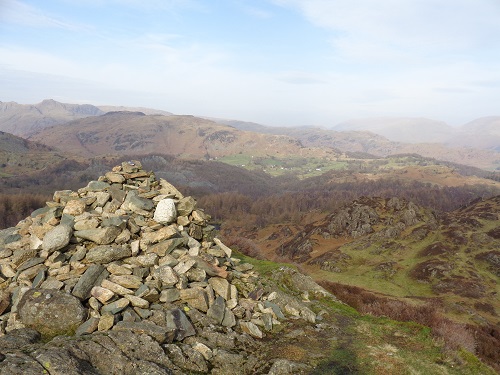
17 12
302 78
257 12
143 5
413 28
453 90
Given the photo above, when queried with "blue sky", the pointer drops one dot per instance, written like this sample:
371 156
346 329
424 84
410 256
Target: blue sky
276 62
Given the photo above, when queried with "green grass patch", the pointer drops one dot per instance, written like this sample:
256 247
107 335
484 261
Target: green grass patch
264 267
300 166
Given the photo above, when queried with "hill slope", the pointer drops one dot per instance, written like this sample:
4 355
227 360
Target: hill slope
109 279
19 156
481 133
407 130
476 144
25 119
184 136
371 143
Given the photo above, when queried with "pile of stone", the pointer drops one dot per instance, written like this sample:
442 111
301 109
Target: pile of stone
130 252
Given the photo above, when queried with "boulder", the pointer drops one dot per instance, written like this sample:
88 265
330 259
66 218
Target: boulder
165 212
51 312
57 238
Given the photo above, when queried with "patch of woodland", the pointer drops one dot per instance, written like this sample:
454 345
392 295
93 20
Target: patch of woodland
246 198
15 207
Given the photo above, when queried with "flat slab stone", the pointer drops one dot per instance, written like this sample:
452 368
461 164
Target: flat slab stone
87 281
107 254
160 334
101 236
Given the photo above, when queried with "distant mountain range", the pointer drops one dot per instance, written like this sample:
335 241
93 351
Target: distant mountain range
89 130
482 133
366 142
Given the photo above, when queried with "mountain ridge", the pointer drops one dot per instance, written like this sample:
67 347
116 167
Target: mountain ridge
26 120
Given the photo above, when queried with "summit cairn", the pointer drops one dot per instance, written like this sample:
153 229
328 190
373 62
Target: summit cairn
130 253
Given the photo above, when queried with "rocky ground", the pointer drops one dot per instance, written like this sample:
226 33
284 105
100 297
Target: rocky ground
131 268
126 276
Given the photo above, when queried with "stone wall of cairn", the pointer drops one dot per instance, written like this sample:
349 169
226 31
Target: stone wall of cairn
129 252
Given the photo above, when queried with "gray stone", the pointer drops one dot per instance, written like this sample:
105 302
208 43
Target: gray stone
115 177
162 234
127 281
102 294
61 195
276 309
87 281
166 275
22 255
221 287
67 220
57 238
86 224
195 298
40 211
107 253
210 269
115 288
251 329
168 189
88 327
196 274
138 204
229 318
116 306
147 260
166 247
30 263
75 207
185 206
51 312
267 319
106 321
115 221
51 283
97 186
179 322
169 295
137 301
160 334
223 247
184 266
102 198
205 351
129 315
39 279
217 310
101 236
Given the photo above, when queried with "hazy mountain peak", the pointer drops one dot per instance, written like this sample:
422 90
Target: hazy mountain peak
402 129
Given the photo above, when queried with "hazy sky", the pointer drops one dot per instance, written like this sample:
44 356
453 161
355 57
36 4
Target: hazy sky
277 62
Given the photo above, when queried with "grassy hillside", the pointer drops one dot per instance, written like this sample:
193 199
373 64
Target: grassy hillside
347 342
439 270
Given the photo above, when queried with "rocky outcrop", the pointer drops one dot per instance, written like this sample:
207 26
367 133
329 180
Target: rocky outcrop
132 266
374 219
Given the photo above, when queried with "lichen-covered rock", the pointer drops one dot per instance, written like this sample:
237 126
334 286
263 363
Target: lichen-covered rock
51 312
